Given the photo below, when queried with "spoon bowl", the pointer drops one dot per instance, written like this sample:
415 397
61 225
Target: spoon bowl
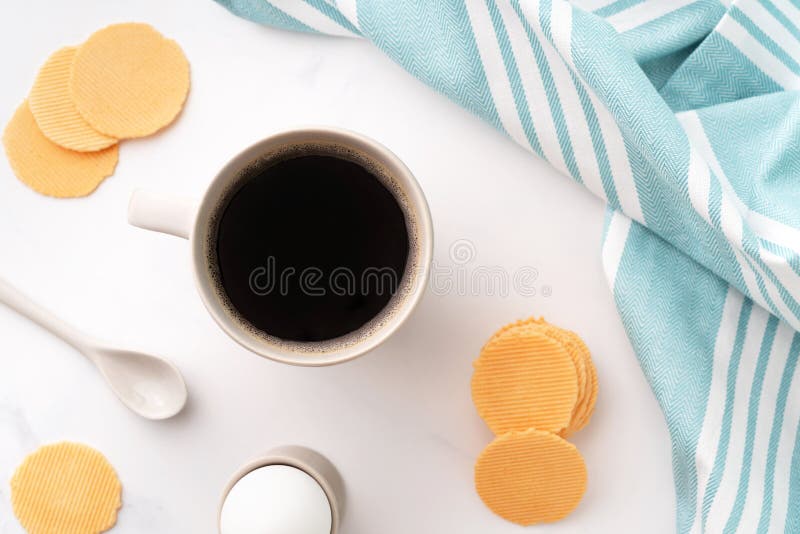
150 386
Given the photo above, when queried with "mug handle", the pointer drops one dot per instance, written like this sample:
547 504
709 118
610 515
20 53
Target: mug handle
160 212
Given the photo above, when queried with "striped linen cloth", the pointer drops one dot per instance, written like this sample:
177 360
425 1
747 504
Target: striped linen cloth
684 117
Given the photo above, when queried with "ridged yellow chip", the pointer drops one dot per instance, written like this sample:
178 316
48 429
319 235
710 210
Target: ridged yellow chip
530 477
128 80
585 372
48 168
524 379
588 397
55 112
66 488
587 375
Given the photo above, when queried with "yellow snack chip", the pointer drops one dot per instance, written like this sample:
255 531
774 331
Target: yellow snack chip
524 379
587 375
66 488
128 80
48 168
581 357
585 408
55 112
530 477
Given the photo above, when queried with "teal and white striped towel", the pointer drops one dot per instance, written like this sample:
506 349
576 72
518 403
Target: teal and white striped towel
684 116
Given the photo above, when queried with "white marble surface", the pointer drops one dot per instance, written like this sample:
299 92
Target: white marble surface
399 423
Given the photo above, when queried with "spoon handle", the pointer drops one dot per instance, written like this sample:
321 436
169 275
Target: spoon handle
17 301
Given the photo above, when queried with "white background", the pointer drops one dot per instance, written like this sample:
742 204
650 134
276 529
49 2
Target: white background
399 423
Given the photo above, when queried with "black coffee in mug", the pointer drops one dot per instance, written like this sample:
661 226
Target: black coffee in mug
311 245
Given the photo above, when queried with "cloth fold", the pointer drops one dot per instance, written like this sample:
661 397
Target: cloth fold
683 116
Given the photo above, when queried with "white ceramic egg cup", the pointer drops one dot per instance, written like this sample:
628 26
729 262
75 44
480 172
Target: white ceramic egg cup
310 462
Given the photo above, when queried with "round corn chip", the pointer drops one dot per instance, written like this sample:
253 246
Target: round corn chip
48 168
587 376
530 477
524 379
586 372
55 113
586 408
128 80
66 488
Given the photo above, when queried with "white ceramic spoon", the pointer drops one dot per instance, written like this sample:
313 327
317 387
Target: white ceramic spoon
148 385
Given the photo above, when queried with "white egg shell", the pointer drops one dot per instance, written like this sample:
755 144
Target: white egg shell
276 499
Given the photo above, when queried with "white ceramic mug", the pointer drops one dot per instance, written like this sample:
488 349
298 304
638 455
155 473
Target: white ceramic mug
197 222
